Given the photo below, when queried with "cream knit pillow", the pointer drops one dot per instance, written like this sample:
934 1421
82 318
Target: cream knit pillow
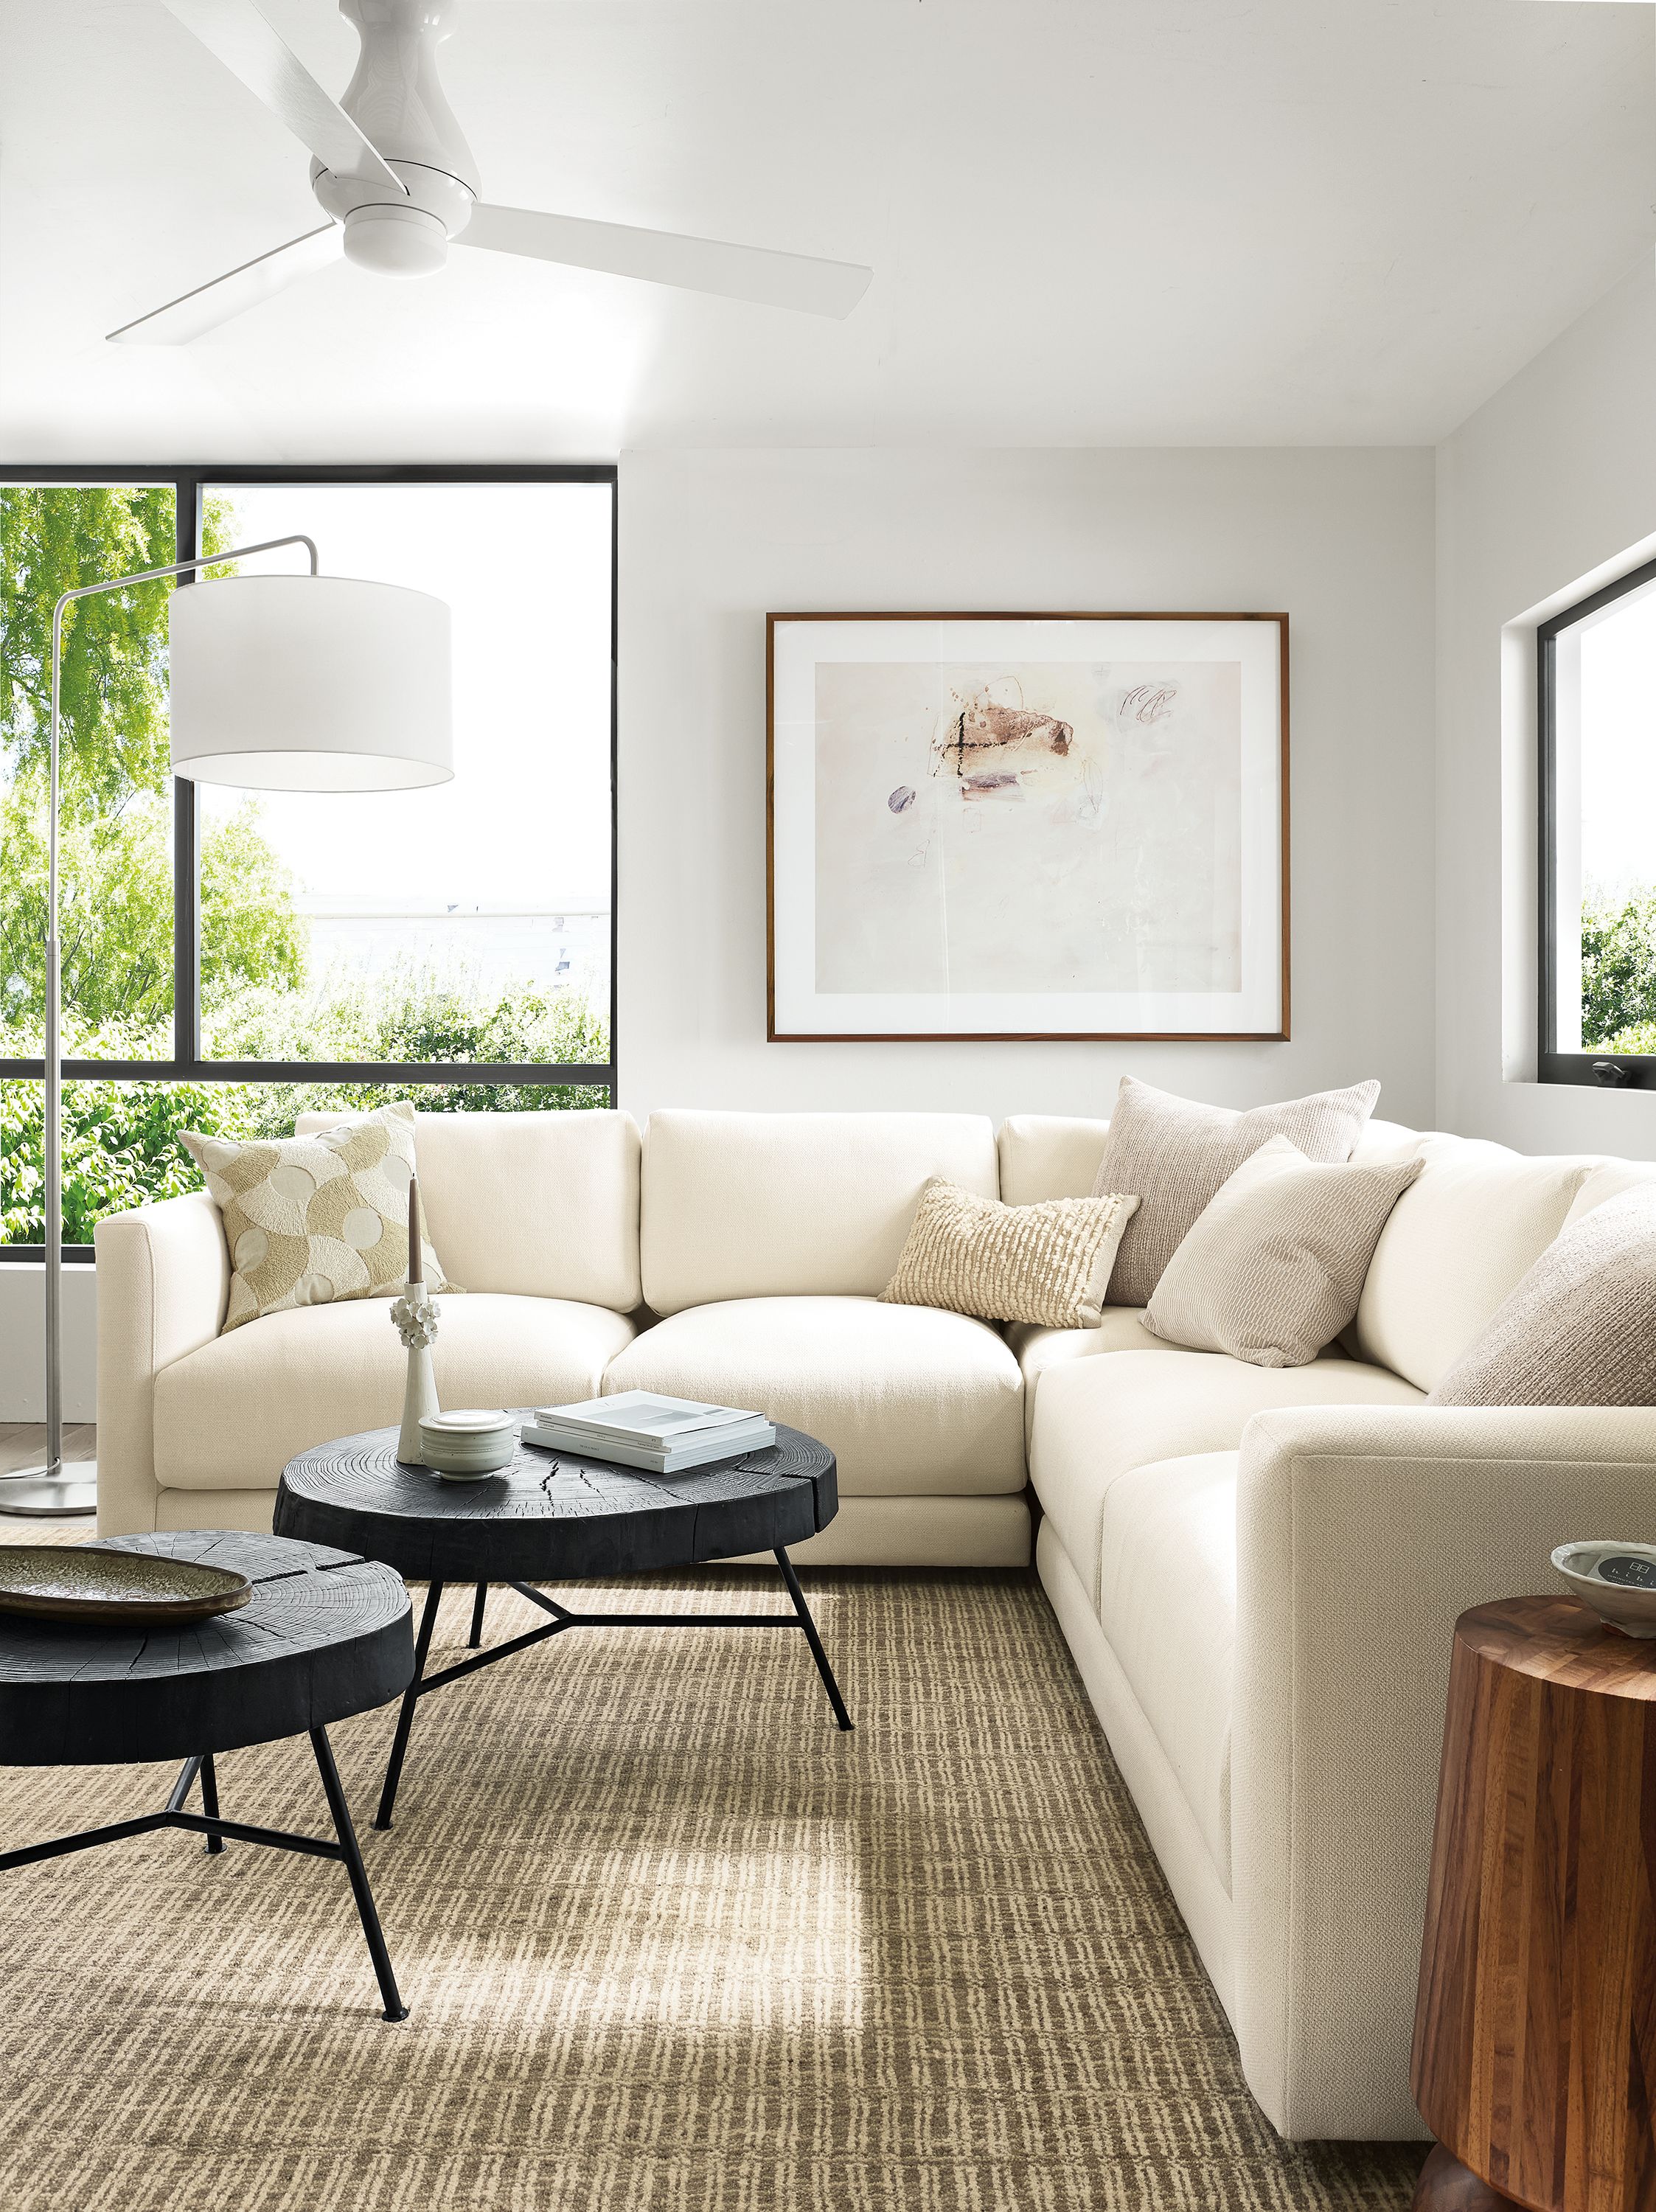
1580 1329
310 1219
1174 1154
1048 1263
1274 1268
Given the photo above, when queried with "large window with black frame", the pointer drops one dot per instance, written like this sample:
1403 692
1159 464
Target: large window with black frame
231 959
1596 683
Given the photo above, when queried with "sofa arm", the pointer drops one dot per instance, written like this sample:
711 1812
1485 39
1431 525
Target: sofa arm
163 1284
1362 1533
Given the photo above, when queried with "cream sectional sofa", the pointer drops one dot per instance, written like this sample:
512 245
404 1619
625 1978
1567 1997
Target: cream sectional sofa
1256 1570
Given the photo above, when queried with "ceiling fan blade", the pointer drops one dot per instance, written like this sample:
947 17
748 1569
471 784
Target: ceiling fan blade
662 257
251 48
213 303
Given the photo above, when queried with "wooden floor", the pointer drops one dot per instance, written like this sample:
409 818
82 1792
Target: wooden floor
23 1444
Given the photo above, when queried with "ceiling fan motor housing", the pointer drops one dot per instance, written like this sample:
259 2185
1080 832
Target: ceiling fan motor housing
395 98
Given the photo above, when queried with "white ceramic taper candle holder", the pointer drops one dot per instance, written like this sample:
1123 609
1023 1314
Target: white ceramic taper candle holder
415 1314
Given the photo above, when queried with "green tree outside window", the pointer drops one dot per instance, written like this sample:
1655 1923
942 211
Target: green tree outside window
256 982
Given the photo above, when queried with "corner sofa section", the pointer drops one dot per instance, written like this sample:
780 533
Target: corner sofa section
1257 1572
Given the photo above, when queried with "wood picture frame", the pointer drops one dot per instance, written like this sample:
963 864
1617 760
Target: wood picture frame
1143 828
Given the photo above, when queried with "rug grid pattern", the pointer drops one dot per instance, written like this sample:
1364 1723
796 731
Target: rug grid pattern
672 1943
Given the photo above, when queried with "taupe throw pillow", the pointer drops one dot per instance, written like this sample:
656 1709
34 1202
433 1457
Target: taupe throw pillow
1175 1154
1580 1329
1273 1269
1048 1263
310 1219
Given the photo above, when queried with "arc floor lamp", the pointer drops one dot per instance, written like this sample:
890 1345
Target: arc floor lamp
283 683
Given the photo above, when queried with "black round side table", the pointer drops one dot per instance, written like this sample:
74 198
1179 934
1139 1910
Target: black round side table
325 1635
553 1516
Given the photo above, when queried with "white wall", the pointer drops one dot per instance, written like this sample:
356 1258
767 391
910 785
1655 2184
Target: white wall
1548 490
1341 538
23 1338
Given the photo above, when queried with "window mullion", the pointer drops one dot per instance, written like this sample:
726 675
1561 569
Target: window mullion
186 844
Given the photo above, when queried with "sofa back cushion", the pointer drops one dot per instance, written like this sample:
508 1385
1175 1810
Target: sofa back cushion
1057 1155
1581 1327
1476 1220
1607 1179
1048 1156
754 1206
535 1205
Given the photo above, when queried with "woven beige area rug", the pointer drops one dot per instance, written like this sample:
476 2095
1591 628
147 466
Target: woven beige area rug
672 1943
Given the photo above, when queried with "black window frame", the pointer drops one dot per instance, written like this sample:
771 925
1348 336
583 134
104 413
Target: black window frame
187 1064
1596 1071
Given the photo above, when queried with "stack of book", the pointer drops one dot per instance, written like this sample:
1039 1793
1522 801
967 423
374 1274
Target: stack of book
643 1429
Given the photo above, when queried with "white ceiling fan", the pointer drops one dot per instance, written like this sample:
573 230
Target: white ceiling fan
397 182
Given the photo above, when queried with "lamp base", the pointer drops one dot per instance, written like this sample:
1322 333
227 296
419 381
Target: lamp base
39 1495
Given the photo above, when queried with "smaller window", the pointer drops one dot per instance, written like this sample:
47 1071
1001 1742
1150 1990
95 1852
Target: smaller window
1597 860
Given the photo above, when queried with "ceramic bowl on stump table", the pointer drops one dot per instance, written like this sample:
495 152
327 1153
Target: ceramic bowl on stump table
468 1446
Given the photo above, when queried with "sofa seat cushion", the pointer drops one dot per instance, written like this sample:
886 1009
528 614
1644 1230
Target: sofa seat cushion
1097 1419
909 1399
232 1415
1169 1601
1036 1349
1122 1329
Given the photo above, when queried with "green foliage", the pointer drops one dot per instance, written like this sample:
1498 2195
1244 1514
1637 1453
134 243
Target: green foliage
1640 1037
1618 973
121 1144
115 920
413 1015
115 925
54 538
250 931
120 1149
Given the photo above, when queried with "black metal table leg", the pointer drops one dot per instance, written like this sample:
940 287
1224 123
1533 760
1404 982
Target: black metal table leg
477 1605
812 1637
405 1717
210 1800
350 1852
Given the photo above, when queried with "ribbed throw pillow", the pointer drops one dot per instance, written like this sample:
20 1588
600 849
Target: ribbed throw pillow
1580 1329
1273 1269
1174 1155
310 1219
1048 1263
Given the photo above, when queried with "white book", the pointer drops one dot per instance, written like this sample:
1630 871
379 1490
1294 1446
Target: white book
645 1418
727 1443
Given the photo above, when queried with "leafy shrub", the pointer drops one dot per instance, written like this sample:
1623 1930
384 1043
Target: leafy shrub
121 1145
121 1149
1618 973
1640 1037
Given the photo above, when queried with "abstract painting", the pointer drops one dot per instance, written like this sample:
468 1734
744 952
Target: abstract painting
1028 826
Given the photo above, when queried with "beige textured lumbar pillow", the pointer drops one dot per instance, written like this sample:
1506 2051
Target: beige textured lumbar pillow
1048 1263
310 1219
1273 1269
1174 1154
1580 1329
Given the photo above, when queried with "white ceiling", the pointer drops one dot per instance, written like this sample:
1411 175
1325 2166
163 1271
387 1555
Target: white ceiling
1092 222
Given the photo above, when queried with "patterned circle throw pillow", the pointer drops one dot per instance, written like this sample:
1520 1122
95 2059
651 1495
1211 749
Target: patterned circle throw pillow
310 1220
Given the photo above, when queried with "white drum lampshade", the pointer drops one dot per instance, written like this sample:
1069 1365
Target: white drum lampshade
310 683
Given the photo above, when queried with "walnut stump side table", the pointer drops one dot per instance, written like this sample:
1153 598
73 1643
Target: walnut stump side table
1535 2032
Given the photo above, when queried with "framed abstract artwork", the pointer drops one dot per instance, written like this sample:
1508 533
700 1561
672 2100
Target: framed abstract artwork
1027 826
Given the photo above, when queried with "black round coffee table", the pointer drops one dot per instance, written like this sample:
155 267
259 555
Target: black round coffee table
325 1635
555 1516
